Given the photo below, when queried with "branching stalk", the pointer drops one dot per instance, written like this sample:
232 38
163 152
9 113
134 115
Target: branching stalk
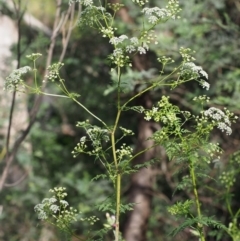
197 203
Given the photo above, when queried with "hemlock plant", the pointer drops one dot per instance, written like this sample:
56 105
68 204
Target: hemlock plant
184 135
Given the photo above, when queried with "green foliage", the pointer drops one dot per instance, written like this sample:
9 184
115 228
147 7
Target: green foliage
194 222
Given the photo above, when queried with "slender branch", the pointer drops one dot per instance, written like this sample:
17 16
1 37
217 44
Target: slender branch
149 88
70 28
118 178
194 183
17 182
88 111
19 19
32 116
143 151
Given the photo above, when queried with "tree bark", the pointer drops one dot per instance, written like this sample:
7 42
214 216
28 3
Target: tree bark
141 182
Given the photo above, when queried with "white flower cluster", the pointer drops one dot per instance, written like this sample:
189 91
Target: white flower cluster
164 112
56 208
49 205
204 84
84 2
118 57
196 69
126 132
157 14
140 2
186 54
14 81
222 120
190 70
201 98
107 32
132 45
87 2
125 151
117 40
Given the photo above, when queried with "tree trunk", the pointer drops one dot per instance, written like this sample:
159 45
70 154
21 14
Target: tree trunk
141 182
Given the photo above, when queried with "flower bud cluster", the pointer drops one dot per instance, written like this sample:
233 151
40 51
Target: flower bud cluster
186 54
34 56
201 99
165 112
126 132
228 178
115 6
53 73
124 151
165 60
213 150
96 136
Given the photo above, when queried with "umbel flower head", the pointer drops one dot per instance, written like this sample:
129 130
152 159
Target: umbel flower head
221 119
191 71
14 81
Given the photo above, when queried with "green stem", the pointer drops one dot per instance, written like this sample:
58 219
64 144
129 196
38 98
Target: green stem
118 175
54 95
113 141
194 183
229 205
35 73
150 87
118 203
143 151
89 112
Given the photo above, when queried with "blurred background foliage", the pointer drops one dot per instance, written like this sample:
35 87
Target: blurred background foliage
209 27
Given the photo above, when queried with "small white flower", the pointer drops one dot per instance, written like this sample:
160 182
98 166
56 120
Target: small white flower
142 50
147 118
205 85
42 215
123 37
87 2
130 49
64 203
152 19
39 207
228 130
52 200
117 40
54 208
156 14
145 46
134 40
223 127
117 52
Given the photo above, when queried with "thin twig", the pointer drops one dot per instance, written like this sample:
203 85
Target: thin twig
17 182
32 116
19 19
65 44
